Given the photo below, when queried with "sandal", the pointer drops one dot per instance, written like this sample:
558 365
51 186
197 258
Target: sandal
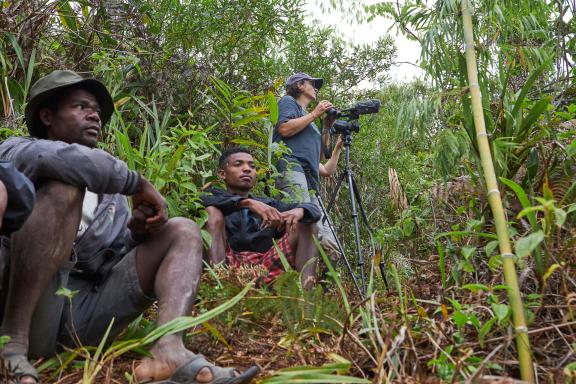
187 373
18 367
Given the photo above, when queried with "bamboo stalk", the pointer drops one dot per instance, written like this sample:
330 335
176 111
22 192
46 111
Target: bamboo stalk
510 277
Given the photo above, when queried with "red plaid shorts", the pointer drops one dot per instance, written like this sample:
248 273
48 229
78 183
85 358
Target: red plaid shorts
269 259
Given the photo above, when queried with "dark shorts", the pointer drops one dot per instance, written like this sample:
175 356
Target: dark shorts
269 260
86 317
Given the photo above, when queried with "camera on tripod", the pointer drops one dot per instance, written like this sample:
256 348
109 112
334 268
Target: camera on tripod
345 128
351 115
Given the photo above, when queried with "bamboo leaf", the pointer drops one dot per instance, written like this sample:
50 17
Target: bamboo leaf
534 114
67 15
525 89
17 49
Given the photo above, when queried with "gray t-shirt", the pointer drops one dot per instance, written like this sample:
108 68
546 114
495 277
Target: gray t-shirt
305 145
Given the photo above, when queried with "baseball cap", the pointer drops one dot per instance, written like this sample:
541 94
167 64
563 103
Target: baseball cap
304 76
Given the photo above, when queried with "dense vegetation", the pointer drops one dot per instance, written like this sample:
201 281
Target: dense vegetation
189 78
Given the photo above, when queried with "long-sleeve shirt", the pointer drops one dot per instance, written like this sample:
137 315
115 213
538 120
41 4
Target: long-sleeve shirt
73 164
243 227
85 168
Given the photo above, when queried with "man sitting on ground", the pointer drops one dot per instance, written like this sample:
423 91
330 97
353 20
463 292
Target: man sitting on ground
243 226
81 235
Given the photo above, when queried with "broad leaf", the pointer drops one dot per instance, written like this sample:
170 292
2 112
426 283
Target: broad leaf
526 245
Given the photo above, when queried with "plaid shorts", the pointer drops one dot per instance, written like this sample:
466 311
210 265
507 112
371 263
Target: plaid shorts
270 260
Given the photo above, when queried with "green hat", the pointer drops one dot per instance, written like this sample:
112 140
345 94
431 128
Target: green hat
49 85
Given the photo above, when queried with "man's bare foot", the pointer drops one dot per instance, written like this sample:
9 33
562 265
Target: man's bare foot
14 358
18 368
165 361
27 380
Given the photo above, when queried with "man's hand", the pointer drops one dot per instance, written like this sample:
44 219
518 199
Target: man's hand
137 223
291 219
271 217
321 108
149 213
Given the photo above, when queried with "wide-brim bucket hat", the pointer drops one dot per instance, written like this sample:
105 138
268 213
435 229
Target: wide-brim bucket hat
49 85
304 76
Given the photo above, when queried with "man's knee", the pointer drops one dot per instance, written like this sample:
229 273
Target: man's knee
180 228
215 219
304 231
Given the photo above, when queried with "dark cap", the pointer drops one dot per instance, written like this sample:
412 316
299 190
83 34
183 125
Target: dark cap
49 85
304 76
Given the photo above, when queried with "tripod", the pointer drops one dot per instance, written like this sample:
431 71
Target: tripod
355 204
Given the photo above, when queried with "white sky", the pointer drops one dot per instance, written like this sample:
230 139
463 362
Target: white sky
407 51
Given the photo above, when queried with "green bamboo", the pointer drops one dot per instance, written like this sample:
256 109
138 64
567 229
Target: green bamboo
510 277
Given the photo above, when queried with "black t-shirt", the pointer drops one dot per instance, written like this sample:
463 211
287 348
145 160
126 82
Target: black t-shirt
305 145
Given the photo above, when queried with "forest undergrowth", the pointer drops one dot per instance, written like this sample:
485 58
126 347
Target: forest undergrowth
443 318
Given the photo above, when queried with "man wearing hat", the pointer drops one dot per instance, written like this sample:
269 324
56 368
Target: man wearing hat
82 235
296 128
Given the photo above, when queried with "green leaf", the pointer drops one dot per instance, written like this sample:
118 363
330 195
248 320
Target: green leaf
571 149
534 114
67 15
408 227
476 287
526 245
523 198
459 318
485 330
468 251
4 340
501 311
560 216
550 271
466 266
526 88
272 107
66 292
490 247
283 259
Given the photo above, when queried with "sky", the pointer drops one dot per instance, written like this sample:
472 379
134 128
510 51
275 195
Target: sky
407 51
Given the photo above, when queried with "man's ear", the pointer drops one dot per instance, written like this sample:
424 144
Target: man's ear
46 115
221 174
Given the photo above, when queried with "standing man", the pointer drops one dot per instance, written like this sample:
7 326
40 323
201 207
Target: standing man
82 235
244 226
301 169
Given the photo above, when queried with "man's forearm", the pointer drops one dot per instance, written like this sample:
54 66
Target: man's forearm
74 164
225 202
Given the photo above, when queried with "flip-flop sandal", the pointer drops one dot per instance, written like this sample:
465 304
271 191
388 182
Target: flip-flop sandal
187 373
19 366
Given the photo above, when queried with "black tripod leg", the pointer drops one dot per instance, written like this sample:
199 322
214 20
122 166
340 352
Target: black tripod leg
335 192
338 243
357 231
382 264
